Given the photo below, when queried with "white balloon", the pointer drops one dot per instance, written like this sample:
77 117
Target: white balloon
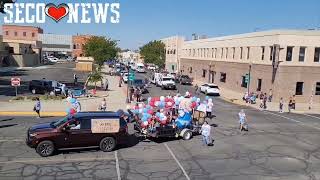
156 103
169 103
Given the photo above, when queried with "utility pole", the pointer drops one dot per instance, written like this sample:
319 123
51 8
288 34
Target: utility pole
249 79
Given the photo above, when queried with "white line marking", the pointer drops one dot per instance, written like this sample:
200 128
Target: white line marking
11 140
292 120
117 165
175 158
312 116
45 160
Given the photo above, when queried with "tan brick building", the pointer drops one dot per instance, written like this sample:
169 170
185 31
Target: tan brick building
78 42
286 61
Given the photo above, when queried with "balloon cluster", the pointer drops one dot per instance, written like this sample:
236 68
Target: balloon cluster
72 110
161 102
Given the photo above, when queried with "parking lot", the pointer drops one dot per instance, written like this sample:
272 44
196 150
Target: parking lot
60 72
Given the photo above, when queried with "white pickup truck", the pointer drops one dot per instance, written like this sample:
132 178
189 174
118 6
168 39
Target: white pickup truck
167 82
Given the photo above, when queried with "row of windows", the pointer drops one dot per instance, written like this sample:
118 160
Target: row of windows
23 34
172 51
225 53
78 46
223 78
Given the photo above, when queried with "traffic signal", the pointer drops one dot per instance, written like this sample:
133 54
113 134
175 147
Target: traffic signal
3 2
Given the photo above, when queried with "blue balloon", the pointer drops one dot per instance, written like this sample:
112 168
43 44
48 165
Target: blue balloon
72 100
145 110
177 102
207 97
158 114
144 119
194 99
148 107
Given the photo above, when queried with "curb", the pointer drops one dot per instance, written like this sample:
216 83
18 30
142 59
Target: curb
17 113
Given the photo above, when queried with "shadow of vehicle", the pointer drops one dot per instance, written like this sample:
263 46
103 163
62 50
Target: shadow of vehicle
7 125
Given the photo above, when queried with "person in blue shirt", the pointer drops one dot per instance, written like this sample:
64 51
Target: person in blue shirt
242 120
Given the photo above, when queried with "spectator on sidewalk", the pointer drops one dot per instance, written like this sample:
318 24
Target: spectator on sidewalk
196 87
120 80
290 104
131 93
294 102
265 98
261 100
205 132
103 105
63 90
281 105
311 101
270 95
75 79
37 107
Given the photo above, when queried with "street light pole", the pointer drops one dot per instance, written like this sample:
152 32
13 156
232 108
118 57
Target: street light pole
249 74
128 99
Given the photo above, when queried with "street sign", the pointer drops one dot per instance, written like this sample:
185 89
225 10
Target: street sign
132 76
15 81
247 77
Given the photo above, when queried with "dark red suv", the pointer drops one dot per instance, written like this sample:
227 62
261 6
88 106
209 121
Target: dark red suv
83 130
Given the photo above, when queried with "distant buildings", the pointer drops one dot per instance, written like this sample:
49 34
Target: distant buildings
57 45
78 42
130 56
287 62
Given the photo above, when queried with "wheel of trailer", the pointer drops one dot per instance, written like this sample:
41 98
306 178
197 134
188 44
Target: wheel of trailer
187 135
107 144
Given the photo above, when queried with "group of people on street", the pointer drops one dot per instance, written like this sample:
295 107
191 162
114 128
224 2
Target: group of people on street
135 94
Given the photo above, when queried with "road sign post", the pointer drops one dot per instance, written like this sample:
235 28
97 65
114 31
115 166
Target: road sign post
15 81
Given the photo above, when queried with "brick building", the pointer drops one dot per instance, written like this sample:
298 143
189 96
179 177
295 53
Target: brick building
78 41
286 61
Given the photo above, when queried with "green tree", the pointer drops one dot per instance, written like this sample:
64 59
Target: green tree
95 77
154 52
101 49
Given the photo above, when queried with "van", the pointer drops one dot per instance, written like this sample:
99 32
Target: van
83 130
140 68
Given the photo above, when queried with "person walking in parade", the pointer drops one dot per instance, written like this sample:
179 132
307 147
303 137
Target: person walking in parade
209 108
103 105
281 105
75 79
242 121
290 104
37 107
205 132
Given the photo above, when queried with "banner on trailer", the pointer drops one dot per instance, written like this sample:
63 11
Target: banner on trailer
105 125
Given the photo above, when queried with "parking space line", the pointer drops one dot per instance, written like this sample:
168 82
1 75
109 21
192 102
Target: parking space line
177 161
266 112
45 160
312 116
11 140
117 165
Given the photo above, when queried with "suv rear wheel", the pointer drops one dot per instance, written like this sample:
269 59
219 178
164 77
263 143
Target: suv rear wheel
45 148
107 144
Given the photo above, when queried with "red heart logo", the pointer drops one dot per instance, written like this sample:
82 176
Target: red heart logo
57 12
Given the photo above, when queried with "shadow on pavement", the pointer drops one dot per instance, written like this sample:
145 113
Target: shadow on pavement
7 125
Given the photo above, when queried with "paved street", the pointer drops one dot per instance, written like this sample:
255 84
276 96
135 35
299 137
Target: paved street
277 146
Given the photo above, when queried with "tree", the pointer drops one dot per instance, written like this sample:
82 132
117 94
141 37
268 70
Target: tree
101 49
95 77
154 52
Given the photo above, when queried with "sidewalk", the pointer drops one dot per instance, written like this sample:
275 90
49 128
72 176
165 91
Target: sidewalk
115 97
236 98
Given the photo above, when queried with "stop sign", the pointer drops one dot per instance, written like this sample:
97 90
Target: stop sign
15 81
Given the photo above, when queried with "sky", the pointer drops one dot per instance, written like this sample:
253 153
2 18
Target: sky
145 20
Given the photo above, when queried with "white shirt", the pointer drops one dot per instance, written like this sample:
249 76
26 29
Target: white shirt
205 130
209 107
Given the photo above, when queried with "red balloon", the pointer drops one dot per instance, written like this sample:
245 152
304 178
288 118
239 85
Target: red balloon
163 122
72 111
150 111
194 104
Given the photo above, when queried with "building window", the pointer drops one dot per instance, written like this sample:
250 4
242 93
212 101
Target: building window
194 52
227 53
7 33
289 53
271 53
302 53
244 82
15 33
259 84
241 51
223 77
233 52
24 34
221 53
215 53
262 52
317 54
299 88
317 88
32 34
248 52
172 67
190 70
174 51
204 72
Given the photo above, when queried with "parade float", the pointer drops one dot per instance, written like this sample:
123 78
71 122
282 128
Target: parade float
177 116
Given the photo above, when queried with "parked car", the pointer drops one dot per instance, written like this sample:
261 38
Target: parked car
185 79
125 77
52 59
210 89
45 86
79 131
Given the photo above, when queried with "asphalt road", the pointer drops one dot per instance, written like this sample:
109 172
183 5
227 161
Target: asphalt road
277 146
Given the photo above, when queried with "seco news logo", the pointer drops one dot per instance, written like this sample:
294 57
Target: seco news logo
84 13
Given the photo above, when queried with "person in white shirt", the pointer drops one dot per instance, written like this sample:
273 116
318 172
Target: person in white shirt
103 105
205 132
209 108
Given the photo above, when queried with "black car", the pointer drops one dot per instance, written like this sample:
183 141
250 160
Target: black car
139 83
44 86
184 79
85 129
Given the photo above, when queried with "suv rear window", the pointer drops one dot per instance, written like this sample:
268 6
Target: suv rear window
166 79
211 86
